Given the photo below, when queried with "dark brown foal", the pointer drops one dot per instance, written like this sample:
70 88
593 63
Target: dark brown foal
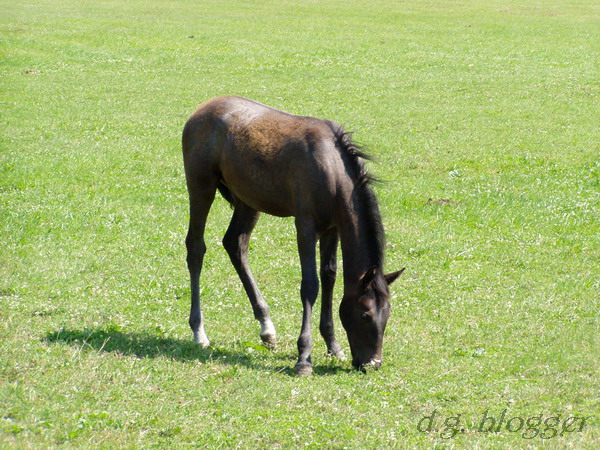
265 160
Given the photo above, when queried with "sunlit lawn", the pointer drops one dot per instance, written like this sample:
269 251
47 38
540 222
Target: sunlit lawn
483 118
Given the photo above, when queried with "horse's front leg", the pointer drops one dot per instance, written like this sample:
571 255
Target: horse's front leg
328 250
309 289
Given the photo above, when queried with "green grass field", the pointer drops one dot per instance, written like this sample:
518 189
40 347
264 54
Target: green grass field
483 116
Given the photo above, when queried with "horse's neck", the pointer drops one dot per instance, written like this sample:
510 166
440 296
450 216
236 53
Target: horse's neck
357 251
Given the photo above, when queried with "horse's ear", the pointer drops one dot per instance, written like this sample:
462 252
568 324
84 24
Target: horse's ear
391 277
369 276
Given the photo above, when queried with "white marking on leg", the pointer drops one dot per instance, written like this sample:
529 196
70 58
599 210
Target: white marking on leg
268 333
200 337
267 328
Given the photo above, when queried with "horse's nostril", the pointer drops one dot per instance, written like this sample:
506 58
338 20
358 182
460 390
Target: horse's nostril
373 364
376 363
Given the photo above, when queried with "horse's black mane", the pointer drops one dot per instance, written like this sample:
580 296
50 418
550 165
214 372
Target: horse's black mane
362 189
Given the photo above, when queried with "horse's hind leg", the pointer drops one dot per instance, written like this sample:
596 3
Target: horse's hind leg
328 250
201 198
236 241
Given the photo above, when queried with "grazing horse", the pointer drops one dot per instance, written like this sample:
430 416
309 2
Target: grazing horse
265 160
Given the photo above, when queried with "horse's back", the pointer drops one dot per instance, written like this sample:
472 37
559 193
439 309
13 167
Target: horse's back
269 159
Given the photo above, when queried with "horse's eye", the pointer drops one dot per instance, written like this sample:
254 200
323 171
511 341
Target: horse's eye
364 316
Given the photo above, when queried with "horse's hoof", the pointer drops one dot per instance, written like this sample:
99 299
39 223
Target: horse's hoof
303 369
204 344
338 354
335 351
201 341
269 340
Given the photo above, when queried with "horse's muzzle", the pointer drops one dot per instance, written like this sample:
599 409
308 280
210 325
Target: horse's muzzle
374 364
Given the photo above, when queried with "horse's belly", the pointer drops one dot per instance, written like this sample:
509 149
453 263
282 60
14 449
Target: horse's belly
266 164
260 192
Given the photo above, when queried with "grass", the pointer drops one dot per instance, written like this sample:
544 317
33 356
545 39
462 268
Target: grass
483 116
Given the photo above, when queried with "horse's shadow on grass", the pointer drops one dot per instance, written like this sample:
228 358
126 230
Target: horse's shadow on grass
146 345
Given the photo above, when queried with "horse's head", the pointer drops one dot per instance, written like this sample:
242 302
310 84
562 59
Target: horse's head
364 315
